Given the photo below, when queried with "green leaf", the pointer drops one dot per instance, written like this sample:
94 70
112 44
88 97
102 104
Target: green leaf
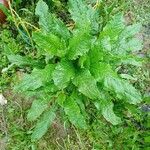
108 113
114 27
79 44
44 18
43 124
23 61
87 84
40 103
73 112
106 44
63 73
132 61
128 45
61 99
50 43
37 108
128 77
83 14
79 11
101 70
49 23
84 62
130 31
37 79
118 39
123 89
96 54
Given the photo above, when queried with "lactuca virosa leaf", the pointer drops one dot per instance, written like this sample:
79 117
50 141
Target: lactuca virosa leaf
84 15
113 28
39 105
49 23
101 71
126 46
132 61
73 112
61 99
37 79
50 43
23 61
43 124
118 39
64 72
86 84
123 89
79 44
130 31
108 113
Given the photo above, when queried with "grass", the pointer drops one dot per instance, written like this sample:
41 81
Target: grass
16 130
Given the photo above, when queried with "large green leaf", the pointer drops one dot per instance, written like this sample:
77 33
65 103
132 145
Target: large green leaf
123 89
73 112
43 124
24 61
79 44
49 23
37 79
83 14
106 44
96 54
101 70
44 17
131 61
87 84
118 39
114 27
50 43
39 105
63 73
61 99
84 62
126 46
108 39
108 113
130 31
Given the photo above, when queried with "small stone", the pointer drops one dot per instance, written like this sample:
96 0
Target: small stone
3 100
145 108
